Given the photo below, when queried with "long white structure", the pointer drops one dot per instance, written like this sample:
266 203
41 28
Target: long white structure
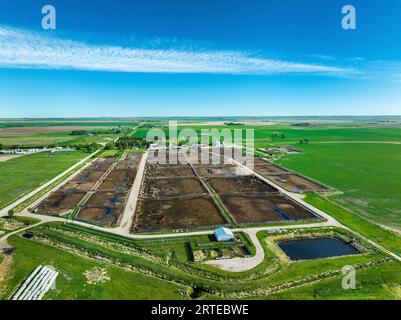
37 284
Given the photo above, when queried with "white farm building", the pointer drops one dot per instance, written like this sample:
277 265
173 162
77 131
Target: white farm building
224 234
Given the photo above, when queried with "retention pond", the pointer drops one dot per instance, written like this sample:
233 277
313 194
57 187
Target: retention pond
307 249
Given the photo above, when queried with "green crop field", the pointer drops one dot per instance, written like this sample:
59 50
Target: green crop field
43 133
367 174
263 135
21 175
52 138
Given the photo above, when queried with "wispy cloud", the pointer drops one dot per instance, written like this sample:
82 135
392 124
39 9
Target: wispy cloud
21 48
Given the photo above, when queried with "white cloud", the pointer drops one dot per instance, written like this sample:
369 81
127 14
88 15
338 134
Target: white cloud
25 49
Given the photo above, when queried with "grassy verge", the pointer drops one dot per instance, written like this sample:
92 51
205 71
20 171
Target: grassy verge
379 282
72 283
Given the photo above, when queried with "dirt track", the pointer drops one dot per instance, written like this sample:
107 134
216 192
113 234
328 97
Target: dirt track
5 271
6 157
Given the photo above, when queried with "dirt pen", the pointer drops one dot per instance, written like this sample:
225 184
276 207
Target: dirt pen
220 170
125 165
103 216
68 196
106 199
59 203
269 169
295 183
172 187
105 206
155 171
286 179
193 213
114 185
172 197
247 209
123 175
87 175
75 186
242 184
106 202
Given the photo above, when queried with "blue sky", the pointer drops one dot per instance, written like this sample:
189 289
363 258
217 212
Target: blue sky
205 58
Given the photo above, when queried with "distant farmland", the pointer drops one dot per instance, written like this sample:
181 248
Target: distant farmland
284 134
28 134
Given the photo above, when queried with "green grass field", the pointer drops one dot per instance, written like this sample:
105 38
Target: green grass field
57 138
367 174
21 175
263 134
72 283
324 134
382 281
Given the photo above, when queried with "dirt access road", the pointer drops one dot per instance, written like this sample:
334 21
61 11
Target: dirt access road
130 207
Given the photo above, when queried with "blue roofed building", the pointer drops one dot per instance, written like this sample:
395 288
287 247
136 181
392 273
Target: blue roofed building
224 234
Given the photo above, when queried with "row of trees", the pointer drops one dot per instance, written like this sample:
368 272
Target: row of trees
304 141
126 142
276 136
89 148
100 131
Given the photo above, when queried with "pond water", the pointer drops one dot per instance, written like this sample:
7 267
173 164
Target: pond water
306 249
28 235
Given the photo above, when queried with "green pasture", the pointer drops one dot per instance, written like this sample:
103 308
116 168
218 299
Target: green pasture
367 174
265 135
52 138
23 174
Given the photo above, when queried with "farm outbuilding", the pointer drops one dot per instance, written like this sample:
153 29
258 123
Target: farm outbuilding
223 234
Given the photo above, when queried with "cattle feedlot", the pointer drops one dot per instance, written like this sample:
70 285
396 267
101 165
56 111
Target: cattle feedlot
218 159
